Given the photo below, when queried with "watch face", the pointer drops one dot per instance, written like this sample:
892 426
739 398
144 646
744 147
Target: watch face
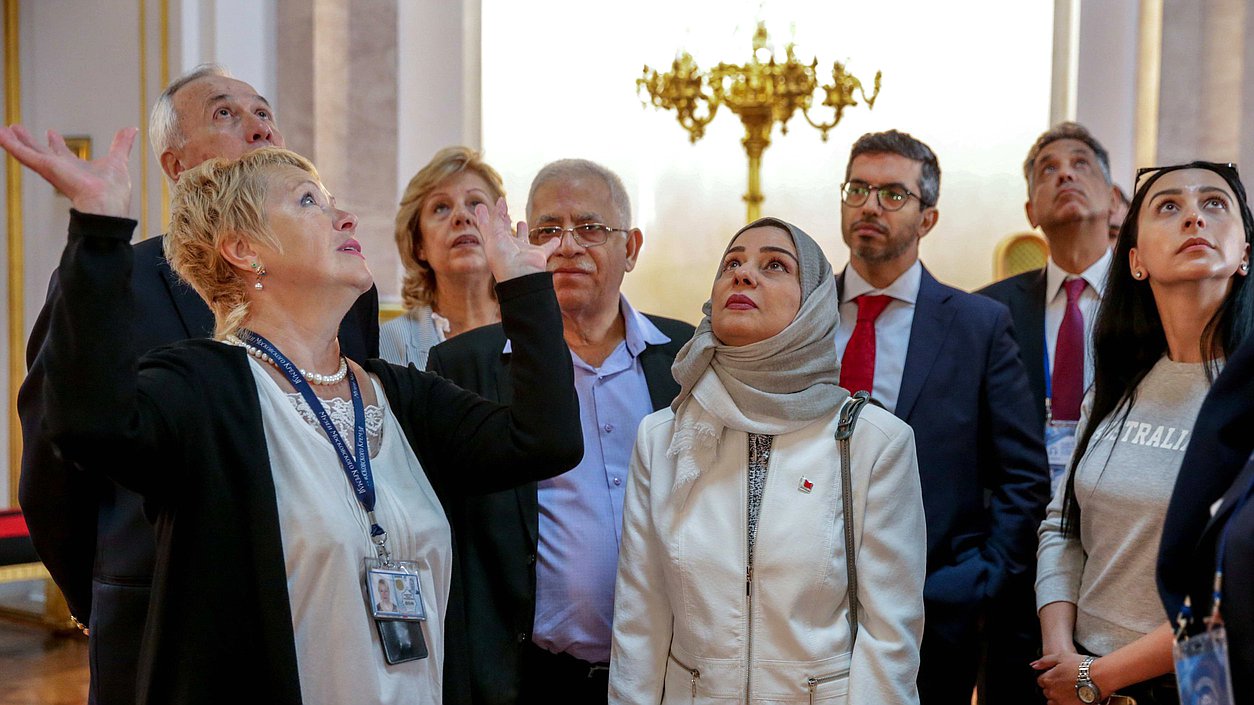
1087 693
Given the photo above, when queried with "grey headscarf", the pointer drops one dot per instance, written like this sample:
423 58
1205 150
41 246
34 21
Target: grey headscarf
773 386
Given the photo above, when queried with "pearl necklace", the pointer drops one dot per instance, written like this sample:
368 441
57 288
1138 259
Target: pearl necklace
311 377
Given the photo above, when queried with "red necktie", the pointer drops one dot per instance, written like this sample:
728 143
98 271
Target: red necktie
857 367
1068 377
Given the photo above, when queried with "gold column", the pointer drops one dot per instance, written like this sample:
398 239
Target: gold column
1148 75
143 124
17 278
164 61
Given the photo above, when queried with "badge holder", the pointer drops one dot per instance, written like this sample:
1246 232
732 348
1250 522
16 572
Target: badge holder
1059 446
1203 675
394 596
1059 441
1203 671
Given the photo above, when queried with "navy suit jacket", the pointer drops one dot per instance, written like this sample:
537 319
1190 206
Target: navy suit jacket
92 535
1216 466
981 452
496 534
1024 295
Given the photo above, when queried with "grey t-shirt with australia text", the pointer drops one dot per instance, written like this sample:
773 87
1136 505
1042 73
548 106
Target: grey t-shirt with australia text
1123 485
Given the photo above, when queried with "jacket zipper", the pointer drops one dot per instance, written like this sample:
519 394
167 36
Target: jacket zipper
814 682
749 613
749 585
694 672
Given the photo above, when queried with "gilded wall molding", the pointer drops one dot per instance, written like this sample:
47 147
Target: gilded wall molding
16 269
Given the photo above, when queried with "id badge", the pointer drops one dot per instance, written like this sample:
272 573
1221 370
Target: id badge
394 590
1202 673
394 596
1059 446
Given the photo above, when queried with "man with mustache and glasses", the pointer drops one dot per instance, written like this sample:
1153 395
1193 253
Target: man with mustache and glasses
540 561
945 362
1071 198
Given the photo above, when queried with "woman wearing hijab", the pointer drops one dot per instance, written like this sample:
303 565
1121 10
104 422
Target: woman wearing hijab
732 578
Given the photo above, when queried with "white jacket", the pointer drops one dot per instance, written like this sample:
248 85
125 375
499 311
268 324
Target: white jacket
690 627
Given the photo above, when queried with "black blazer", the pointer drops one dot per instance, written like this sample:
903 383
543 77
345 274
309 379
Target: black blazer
1216 466
92 534
186 432
1024 295
497 534
982 461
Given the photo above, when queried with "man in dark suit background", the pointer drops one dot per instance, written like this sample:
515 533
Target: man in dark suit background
945 362
91 534
1070 197
539 562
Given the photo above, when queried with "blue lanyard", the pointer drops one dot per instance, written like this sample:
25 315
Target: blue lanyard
357 469
1049 391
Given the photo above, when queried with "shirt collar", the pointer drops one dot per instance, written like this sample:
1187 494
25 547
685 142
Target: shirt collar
904 288
1095 276
639 331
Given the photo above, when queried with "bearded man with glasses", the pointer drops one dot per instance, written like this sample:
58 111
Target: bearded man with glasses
945 362
540 561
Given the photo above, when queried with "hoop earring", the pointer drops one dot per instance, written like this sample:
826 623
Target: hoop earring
260 270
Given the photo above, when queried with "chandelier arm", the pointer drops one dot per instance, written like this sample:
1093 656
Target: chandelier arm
823 128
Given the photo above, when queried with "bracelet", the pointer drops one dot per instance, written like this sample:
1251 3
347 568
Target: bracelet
80 626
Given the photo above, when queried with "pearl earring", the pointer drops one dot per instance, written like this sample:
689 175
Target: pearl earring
261 272
1137 274
1245 267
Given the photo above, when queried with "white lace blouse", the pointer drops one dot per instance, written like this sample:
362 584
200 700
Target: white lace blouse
326 539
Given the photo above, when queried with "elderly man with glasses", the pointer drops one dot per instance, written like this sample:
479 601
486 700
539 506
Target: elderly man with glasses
945 362
539 561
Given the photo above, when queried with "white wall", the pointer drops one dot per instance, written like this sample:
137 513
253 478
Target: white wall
971 79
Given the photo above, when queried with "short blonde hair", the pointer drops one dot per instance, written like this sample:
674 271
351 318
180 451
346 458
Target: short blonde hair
418 284
211 202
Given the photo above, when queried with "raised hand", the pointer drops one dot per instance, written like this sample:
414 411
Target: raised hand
510 256
101 186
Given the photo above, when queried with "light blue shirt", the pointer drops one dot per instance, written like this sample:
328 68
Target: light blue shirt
581 511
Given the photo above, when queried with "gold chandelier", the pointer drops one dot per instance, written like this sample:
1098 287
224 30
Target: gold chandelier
762 92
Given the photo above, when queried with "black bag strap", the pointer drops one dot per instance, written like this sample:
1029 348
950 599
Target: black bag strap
844 431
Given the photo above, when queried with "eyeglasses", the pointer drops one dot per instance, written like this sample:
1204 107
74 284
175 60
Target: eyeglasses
1226 169
891 197
585 234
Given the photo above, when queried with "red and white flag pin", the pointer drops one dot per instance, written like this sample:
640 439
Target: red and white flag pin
805 485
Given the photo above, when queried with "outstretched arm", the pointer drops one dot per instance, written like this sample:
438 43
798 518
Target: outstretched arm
98 187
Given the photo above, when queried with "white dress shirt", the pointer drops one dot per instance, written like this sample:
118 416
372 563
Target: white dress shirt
1056 308
892 328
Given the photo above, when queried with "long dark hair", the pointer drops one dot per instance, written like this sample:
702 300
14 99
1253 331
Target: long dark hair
1128 337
